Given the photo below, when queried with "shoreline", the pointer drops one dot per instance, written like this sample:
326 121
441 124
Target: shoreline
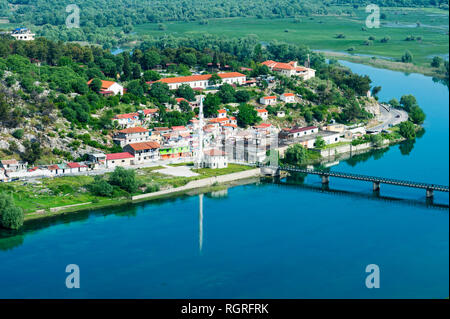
199 186
381 63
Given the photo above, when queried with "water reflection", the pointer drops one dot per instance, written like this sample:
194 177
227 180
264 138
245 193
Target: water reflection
200 219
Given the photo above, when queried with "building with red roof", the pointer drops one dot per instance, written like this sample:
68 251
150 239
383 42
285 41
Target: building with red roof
287 97
131 135
290 69
268 100
109 87
123 159
201 81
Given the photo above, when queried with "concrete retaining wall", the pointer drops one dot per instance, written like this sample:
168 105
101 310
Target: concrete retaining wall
206 182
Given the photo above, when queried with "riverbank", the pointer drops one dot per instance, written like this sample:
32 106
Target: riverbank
385 64
200 185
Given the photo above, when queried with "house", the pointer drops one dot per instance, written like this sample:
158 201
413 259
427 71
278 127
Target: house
123 159
287 97
131 135
222 113
161 130
22 34
13 165
76 167
262 126
268 100
109 87
149 114
262 113
127 120
201 81
214 158
144 151
290 69
298 132
175 150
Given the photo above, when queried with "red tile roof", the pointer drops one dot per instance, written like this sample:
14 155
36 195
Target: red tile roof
201 77
116 156
131 130
178 128
261 111
263 125
144 146
270 97
73 165
288 94
149 111
221 111
126 116
105 84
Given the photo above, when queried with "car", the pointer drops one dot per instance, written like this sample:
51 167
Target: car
397 116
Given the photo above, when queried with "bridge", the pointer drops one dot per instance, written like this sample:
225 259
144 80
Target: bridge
430 188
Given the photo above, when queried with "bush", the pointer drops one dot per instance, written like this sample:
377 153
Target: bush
18 134
100 187
11 216
125 179
407 130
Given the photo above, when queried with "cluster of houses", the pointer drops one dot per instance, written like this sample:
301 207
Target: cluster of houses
21 34
223 141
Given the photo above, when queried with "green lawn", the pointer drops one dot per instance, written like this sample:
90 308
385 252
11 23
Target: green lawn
319 32
69 190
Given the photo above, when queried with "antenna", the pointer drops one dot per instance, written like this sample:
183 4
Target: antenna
200 134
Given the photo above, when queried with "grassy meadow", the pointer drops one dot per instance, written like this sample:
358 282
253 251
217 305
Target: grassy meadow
319 32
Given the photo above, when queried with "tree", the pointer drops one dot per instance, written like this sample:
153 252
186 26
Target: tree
18 133
160 91
186 92
296 155
416 115
247 115
101 187
407 130
32 152
320 142
96 85
150 59
376 90
11 216
134 87
214 79
377 140
407 57
242 96
394 103
436 62
408 101
226 93
211 103
151 75
124 178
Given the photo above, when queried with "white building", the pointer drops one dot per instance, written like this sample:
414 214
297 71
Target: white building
290 69
268 100
131 135
262 113
287 97
202 81
109 87
124 159
214 158
143 152
22 34
297 132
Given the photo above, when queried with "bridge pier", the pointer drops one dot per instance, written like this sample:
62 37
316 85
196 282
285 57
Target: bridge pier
430 193
376 186
325 179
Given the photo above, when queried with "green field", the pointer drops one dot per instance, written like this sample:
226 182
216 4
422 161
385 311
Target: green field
319 32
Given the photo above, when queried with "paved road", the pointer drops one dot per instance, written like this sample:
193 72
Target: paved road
389 117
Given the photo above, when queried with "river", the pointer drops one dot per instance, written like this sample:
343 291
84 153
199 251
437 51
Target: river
262 240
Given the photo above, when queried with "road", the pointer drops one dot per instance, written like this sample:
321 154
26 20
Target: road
389 117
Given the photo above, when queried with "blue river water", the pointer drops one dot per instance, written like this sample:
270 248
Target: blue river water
261 240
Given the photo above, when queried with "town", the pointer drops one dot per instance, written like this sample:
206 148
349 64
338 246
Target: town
144 143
